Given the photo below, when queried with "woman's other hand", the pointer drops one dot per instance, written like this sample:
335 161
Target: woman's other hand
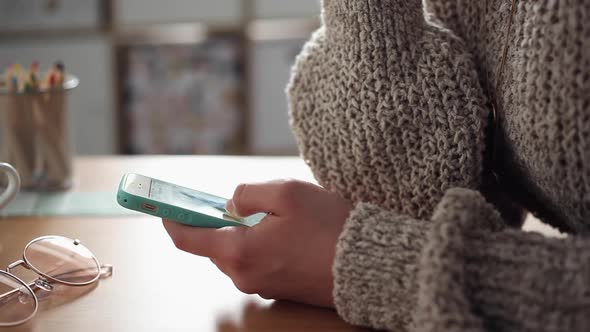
289 255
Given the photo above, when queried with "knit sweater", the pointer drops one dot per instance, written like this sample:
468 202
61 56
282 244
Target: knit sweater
389 105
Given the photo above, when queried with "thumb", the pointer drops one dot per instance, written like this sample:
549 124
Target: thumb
273 197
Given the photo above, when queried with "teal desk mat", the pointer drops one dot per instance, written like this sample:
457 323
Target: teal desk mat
83 204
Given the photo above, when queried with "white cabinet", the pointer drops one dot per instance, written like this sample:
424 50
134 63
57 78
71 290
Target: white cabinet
173 11
209 11
49 14
274 50
286 8
90 106
271 67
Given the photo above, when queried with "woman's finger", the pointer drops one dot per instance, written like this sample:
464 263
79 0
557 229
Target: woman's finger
276 197
222 243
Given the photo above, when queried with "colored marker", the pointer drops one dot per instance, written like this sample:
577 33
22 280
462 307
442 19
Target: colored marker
60 72
60 66
35 66
28 87
14 83
52 79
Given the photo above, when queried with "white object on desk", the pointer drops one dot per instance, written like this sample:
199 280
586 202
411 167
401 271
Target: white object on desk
13 184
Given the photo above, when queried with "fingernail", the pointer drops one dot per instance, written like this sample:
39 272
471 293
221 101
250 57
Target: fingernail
231 208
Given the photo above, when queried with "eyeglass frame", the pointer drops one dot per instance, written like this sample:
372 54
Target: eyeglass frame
44 281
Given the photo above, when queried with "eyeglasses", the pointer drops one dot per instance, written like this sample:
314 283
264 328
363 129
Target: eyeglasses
55 259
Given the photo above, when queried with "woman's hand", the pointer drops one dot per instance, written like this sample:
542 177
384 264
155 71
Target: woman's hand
289 255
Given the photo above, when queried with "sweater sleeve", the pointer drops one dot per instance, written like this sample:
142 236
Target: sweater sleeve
476 275
387 108
376 267
463 271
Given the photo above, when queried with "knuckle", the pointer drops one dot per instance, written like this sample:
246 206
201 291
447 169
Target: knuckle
245 285
266 295
290 193
290 189
237 258
180 242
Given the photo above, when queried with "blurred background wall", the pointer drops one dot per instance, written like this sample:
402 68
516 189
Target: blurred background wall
167 77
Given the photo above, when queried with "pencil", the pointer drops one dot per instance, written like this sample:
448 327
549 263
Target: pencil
20 129
51 127
34 114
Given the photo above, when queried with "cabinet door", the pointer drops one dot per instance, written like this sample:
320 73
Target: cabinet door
271 67
50 14
174 11
90 106
183 99
286 8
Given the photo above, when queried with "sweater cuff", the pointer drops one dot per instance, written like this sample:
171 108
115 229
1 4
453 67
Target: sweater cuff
513 277
443 300
477 275
376 266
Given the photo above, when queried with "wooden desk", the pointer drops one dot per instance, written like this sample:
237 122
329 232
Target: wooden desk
154 286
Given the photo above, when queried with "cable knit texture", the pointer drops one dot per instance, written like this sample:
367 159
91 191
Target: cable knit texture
372 255
387 104
475 275
545 94
387 108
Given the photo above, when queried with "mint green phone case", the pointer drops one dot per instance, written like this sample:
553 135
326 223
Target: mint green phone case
178 214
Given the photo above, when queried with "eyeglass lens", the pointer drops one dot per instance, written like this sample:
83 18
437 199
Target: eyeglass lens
63 259
17 303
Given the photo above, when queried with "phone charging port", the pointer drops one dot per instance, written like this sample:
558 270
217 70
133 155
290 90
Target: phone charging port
150 207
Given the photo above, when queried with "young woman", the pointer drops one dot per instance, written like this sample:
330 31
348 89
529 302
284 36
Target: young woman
421 124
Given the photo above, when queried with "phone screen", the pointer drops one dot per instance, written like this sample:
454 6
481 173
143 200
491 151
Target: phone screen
195 201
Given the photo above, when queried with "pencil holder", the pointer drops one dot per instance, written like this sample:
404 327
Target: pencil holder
34 136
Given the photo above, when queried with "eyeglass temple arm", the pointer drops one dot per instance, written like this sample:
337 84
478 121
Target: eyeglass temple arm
106 270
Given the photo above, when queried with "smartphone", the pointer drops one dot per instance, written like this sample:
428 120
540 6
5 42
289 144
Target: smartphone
173 202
